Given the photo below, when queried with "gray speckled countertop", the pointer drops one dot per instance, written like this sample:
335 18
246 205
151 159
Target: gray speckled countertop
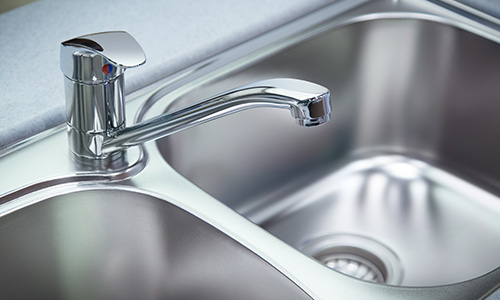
174 35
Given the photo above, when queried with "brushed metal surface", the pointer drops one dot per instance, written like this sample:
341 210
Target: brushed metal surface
118 244
411 98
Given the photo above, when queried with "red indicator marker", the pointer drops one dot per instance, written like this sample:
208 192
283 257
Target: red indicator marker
106 69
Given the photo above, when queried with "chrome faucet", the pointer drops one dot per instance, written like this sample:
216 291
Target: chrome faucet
93 66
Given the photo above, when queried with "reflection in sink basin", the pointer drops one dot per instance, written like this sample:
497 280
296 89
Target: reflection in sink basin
409 159
116 244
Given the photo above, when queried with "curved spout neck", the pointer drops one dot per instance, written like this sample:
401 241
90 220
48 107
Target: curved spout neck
308 103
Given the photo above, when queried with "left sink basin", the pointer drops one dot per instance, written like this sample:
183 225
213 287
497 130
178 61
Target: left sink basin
117 243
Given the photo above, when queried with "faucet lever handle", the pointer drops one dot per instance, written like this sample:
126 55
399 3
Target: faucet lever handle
118 47
83 57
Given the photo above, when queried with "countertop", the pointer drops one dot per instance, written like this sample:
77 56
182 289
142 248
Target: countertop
174 35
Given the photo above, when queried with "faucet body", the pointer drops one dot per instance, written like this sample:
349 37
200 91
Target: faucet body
93 66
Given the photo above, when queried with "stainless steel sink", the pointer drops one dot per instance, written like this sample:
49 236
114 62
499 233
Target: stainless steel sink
121 243
404 181
400 191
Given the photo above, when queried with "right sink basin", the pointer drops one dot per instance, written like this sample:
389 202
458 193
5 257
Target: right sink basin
401 187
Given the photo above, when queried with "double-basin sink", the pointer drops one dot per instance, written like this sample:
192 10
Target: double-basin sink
398 196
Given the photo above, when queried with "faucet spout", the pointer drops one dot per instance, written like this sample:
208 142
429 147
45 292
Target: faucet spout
309 104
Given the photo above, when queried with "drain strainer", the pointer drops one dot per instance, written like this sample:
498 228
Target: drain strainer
356 256
355 266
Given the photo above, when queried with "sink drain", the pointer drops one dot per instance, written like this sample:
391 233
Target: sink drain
356 256
354 265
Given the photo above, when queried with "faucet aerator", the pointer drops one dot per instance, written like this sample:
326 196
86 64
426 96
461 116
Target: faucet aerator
313 121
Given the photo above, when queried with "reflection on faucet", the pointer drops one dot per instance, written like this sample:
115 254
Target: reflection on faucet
94 65
309 103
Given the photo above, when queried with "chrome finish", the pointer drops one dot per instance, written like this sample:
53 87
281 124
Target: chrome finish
93 67
82 58
309 104
96 108
116 243
410 159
